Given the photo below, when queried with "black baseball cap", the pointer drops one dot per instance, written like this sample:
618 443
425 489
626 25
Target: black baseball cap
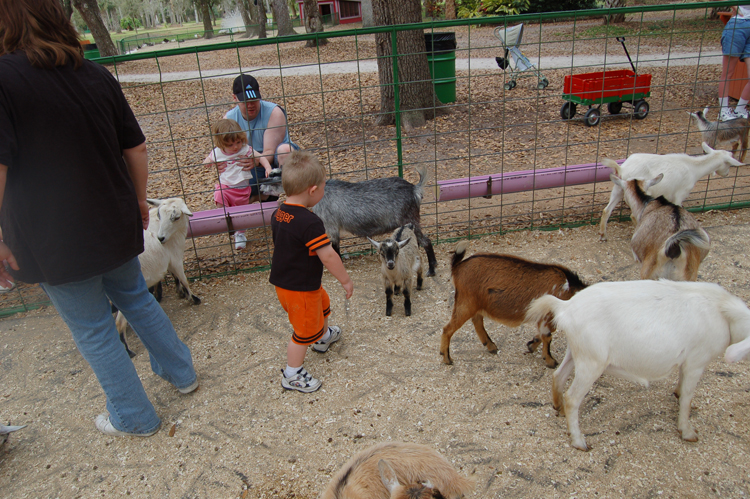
245 87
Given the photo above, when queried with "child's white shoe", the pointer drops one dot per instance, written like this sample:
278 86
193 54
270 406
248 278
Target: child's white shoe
240 241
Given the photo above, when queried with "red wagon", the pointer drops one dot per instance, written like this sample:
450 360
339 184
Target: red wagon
613 88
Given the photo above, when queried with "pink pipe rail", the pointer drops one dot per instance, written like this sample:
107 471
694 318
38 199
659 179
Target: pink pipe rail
204 223
526 180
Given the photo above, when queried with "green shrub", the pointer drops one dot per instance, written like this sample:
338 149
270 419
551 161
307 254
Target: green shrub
130 23
560 5
481 8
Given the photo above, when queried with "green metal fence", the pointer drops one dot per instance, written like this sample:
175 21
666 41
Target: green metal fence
332 96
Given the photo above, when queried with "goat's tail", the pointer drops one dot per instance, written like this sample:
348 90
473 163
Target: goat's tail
677 243
611 164
459 253
542 309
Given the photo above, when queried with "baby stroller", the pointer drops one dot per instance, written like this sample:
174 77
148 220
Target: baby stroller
518 63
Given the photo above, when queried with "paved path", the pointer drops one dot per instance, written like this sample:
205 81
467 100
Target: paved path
477 64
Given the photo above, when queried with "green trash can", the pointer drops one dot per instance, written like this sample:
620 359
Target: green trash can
90 51
441 58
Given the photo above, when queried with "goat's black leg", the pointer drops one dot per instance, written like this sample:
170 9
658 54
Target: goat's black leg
127 349
396 290
419 278
388 301
157 291
407 302
425 243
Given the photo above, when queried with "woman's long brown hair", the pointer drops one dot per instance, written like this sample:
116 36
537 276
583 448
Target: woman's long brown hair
41 30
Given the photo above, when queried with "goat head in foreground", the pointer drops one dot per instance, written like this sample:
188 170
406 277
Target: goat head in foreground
397 470
668 241
501 288
641 331
399 257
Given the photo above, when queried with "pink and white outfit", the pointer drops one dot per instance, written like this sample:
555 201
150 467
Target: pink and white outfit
233 188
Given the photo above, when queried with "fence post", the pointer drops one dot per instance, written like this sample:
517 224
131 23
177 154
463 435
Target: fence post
396 102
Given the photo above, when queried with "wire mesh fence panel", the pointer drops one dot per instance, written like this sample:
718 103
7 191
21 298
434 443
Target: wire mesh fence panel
487 152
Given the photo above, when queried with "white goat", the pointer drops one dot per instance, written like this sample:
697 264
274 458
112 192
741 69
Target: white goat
399 255
681 172
668 241
397 470
641 331
164 247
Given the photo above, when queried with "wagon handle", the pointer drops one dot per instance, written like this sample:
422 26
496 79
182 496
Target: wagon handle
621 39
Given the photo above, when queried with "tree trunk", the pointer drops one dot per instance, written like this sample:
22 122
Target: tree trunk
450 9
262 19
247 11
313 22
617 18
67 7
284 23
416 93
205 14
90 13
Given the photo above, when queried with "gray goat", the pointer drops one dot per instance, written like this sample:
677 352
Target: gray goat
717 132
367 208
399 256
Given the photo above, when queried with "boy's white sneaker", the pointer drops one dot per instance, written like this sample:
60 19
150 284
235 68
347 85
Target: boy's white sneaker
322 346
302 381
727 114
240 240
741 113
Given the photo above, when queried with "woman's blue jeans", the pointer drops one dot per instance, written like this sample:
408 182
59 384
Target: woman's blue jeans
85 308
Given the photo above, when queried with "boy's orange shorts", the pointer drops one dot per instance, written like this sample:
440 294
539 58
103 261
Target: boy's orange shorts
307 312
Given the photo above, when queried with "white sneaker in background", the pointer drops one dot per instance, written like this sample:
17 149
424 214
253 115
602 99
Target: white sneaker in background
240 241
727 114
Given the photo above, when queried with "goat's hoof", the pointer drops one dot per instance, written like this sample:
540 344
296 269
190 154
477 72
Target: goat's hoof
582 446
552 364
447 361
431 273
130 353
689 436
196 300
602 238
492 348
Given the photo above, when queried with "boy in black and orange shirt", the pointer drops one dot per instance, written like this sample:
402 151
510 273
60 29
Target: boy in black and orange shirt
301 249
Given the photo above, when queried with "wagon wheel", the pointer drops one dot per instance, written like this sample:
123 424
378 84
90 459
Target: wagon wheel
614 107
640 109
568 110
592 117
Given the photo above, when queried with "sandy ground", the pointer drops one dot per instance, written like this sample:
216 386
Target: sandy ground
242 435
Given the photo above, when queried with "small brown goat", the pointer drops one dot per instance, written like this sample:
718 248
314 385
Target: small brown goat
718 132
502 287
397 470
668 241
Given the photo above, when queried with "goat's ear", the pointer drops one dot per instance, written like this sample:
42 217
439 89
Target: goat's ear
650 183
186 210
403 243
705 112
153 202
387 475
377 245
706 148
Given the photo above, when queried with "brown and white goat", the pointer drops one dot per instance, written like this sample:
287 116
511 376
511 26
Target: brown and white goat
668 241
399 256
718 132
501 288
397 470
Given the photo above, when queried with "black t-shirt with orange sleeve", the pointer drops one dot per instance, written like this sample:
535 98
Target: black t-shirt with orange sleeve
297 234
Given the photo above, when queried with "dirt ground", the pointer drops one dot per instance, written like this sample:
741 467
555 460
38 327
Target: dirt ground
241 435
